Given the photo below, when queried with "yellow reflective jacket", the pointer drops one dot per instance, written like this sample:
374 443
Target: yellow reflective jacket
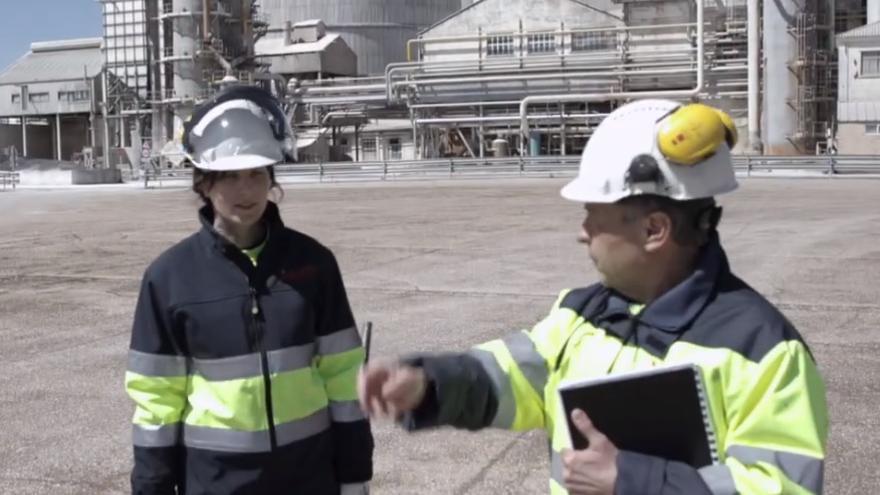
765 394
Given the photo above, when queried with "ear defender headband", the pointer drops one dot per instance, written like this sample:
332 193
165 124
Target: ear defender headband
261 98
691 133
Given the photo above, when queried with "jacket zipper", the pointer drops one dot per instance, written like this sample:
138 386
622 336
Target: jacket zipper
257 342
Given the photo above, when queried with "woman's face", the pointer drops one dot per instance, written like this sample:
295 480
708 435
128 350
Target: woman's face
239 197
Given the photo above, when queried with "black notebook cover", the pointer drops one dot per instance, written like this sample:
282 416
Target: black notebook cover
660 412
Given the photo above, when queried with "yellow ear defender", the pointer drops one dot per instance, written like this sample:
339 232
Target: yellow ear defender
693 132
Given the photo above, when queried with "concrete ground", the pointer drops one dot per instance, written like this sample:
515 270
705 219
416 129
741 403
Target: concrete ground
434 266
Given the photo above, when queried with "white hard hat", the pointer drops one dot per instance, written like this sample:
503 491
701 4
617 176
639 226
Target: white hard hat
657 147
241 128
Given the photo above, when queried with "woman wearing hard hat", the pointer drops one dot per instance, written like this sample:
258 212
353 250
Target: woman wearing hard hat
244 350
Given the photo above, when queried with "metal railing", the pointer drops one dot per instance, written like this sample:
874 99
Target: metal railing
534 166
8 180
827 164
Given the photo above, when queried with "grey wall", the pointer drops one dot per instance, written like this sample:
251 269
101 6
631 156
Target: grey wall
851 139
536 15
50 107
853 85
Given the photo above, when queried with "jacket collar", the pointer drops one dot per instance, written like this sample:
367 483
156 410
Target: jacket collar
675 310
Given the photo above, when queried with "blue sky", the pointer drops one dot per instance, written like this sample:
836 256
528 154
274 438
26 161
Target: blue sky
25 21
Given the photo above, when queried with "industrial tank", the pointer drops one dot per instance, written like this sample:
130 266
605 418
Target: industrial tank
377 30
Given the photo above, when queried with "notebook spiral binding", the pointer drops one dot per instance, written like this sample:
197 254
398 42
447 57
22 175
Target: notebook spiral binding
707 416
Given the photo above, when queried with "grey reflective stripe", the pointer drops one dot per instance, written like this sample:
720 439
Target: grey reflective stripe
231 368
341 341
556 468
295 431
806 471
291 358
346 411
719 479
146 364
501 384
532 364
155 436
248 365
223 440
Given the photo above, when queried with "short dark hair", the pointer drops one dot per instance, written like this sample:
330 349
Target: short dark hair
207 178
692 220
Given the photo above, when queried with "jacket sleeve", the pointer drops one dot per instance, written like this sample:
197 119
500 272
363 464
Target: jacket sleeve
777 426
340 357
155 379
497 384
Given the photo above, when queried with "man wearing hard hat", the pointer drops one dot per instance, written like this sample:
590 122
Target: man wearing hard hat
647 180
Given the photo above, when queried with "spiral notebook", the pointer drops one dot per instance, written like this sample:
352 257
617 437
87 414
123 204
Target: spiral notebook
661 412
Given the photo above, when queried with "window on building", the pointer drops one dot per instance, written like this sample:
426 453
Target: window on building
394 149
872 129
593 41
871 63
368 149
16 99
499 45
541 43
38 97
82 95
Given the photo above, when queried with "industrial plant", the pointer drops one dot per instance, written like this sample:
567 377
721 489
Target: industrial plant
367 80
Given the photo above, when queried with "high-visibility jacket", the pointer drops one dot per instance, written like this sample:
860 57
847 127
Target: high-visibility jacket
244 377
766 397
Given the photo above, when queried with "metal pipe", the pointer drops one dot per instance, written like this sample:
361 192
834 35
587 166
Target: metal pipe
399 66
247 26
206 21
624 70
58 135
482 135
509 118
24 150
466 104
537 77
105 120
534 60
754 59
466 143
524 105
672 58
331 115
342 89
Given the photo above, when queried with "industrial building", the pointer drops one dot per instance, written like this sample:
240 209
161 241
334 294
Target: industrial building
48 100
858 107
411 79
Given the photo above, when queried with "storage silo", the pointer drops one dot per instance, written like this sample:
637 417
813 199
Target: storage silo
377 30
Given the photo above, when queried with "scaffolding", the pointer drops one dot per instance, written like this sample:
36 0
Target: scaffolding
815 67
127 83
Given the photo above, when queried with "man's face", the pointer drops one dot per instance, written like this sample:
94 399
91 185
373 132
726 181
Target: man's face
615 239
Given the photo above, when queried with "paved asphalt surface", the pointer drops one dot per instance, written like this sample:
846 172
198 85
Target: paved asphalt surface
435 266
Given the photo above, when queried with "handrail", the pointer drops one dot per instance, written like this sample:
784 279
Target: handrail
527 166
9 179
